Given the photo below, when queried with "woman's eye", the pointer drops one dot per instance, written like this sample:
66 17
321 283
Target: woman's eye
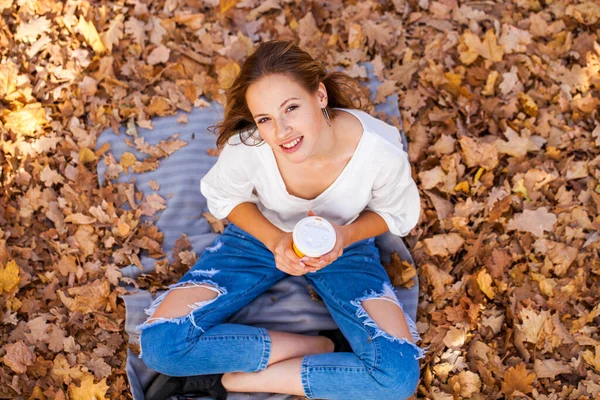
260 121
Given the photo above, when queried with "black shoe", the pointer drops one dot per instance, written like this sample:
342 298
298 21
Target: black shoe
339 341
165 386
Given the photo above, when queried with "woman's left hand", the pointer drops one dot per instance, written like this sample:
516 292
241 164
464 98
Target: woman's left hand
316 263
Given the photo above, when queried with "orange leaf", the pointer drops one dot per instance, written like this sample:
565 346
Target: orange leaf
518 378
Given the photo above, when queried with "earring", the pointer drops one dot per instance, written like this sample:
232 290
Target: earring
326 114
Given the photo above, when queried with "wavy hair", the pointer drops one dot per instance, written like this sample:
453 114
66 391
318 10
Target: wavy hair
284 57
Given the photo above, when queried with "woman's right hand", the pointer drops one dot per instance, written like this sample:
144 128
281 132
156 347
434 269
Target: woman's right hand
286 259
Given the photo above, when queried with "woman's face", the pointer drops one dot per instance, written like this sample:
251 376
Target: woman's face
288 118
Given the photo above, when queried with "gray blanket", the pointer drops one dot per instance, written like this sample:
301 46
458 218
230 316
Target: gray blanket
287 306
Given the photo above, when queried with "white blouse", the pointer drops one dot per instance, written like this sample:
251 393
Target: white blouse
377 178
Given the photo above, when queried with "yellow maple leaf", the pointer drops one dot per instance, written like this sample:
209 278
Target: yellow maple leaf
86 155
518 378
27 120
593 360
528 104
519 187
226 5
471 46
88 389
227 74
127 160
9 277
90 34
484 280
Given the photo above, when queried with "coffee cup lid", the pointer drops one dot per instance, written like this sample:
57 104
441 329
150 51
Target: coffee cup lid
314 236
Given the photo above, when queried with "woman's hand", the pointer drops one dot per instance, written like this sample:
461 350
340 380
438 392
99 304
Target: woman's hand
286 259
317 263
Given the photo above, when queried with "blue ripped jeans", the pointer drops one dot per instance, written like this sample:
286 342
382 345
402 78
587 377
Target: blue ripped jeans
239 268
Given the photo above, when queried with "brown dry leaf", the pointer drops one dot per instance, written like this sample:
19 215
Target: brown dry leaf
154 203
593 358
444 245
28 32
218 225
114 33
159 55
91 297
18 357
518 379
136 29
438 279
401 272
471 47
80 219
535 222
465 384
477 153
430 179
550 368
514 40
534 325
455 338
516 146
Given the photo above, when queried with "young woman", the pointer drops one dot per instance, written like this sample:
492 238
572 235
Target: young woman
324 155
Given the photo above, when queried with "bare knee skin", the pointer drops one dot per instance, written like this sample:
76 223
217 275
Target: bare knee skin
176 303
388 316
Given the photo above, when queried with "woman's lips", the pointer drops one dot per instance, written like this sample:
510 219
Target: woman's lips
295 147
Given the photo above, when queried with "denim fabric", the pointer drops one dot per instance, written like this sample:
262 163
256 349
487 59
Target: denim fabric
239 268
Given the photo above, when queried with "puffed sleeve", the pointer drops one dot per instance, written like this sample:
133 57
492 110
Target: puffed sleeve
396 197
227 183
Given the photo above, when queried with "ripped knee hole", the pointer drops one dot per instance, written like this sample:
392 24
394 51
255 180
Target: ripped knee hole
178 305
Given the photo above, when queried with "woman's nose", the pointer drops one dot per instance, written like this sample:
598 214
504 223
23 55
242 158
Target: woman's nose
283 130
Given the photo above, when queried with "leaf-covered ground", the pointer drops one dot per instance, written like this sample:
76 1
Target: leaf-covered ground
500 104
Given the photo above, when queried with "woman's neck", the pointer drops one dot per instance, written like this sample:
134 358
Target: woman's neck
327 144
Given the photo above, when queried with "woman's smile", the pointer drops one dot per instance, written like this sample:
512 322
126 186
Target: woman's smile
292 146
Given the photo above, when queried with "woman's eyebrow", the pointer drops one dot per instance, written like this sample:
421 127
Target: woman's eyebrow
282 104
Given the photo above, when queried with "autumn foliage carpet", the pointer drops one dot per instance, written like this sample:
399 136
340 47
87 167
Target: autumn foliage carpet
500 104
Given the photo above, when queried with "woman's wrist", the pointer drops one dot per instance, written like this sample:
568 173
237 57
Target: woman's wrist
271 241
347 232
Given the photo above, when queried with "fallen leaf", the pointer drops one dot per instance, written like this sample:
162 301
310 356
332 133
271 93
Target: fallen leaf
535 222
444 245
550 368
88 389
89 32
9 277
159 55
518 379
18 357
465 383
484 280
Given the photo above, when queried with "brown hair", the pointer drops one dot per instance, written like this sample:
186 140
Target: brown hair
284 57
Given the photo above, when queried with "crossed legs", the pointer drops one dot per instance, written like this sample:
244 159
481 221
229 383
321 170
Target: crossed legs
283 373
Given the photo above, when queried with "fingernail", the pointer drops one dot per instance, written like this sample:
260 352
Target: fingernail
304 259
302 264
321 262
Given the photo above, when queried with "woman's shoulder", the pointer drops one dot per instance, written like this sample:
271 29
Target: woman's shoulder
382 133
241 151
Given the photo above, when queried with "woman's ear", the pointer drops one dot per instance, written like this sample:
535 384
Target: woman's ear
322 95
